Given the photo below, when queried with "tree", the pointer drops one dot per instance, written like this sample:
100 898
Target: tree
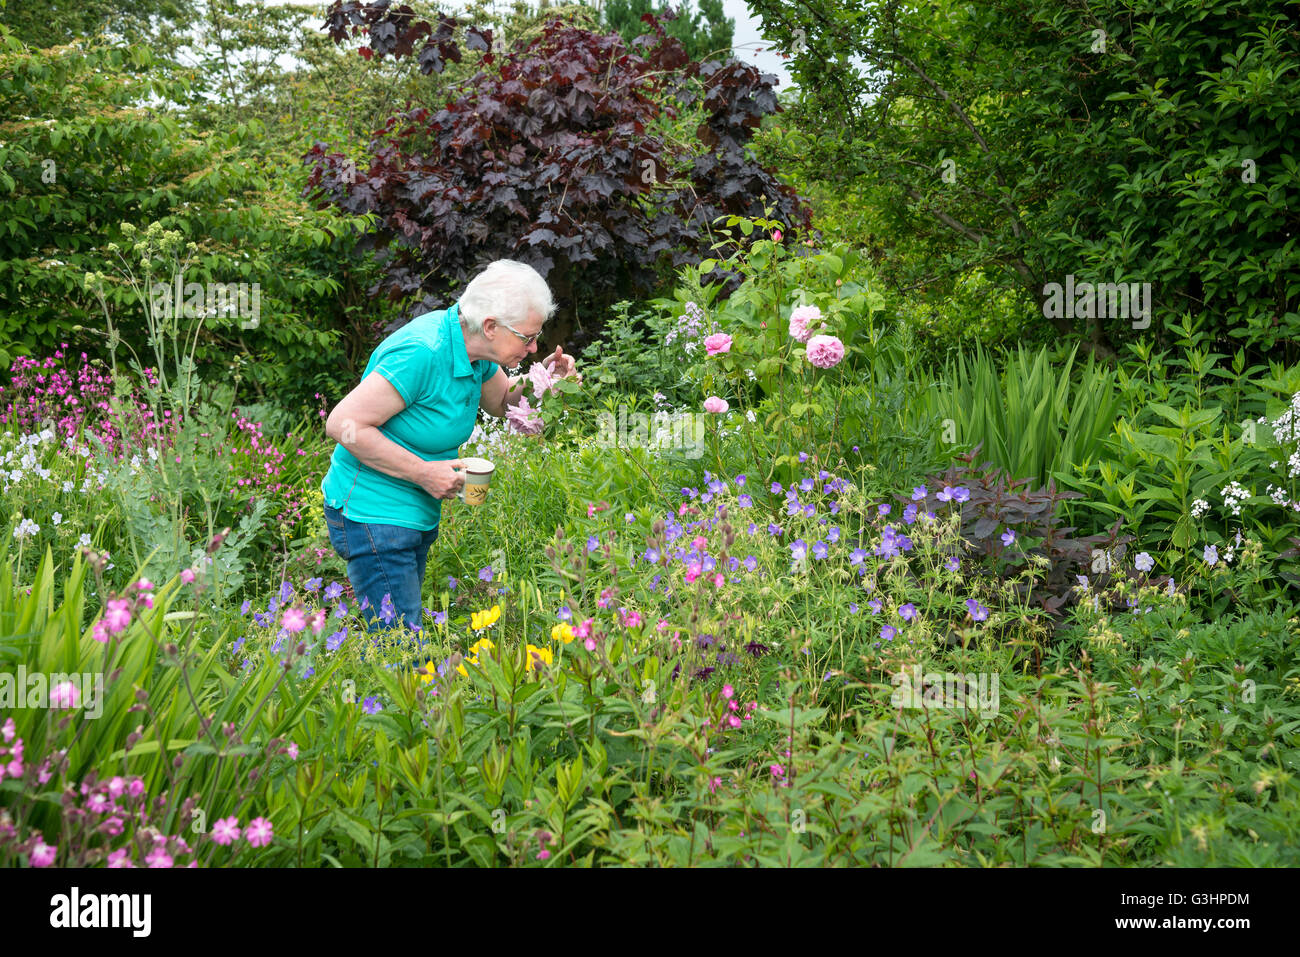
565 154
702 32
1141 142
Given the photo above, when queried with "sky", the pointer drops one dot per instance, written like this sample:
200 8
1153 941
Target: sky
748 40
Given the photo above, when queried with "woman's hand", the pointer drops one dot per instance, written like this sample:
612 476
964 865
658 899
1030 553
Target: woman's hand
559 364
440 478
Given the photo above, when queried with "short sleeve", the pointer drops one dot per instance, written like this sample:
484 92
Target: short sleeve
406 365
489 370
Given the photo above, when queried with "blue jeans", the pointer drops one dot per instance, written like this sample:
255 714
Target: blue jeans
383 561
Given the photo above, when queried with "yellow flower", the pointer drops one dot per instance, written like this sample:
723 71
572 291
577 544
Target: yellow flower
538 656
483 644
485 619
431 672
562 632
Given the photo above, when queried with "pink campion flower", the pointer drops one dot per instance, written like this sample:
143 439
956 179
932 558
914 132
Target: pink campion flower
187 576
728 691
64 695
714 784
801 319
778 771
136 787
159 857
8 730
120 858
318 621
590 644
700 542
225 831
292 751
584 629
733 721
42 855
717 344
524 419
144 584
259 832
293 620
117 615
116 786
825 352
146 600
99 803
693 572
718 579
14 768
715 406
631 619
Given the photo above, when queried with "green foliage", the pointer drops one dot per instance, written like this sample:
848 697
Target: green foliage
704 32
987 133
1037 417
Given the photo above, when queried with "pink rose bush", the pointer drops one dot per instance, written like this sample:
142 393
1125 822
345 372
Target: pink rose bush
715 405
524 419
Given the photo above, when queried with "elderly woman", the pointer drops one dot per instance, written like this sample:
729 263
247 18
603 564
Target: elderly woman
399 432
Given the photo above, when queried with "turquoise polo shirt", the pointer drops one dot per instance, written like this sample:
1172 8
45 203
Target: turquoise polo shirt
427 364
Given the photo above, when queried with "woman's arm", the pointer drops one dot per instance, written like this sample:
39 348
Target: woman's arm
500 392
354 424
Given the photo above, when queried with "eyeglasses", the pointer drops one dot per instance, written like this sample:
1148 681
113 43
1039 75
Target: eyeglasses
528 340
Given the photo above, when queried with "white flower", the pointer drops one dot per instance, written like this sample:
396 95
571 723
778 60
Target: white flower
26 529
749 414
56 518
67 487
1143 562
135 463
153 454
1199 507
84 540
16 475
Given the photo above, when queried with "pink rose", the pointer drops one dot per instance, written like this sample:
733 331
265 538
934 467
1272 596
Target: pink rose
715 405
717 344
825 351
524 419
542 380
800 320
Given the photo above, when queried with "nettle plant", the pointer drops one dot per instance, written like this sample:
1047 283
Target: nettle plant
564 153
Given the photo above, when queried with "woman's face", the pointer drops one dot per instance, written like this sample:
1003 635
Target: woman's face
508 342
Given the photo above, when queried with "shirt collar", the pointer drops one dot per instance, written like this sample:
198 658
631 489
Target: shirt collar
460 364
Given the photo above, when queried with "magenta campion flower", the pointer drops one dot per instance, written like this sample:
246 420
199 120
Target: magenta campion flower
825 352
120 858
158 857
225 831
42 855
259 832
117 615
63 695
187 576
715 405
293 620
717 344
524 419
800 319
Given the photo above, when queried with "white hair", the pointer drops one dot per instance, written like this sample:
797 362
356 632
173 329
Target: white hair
507 290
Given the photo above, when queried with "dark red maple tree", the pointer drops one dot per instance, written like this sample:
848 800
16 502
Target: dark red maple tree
551 159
